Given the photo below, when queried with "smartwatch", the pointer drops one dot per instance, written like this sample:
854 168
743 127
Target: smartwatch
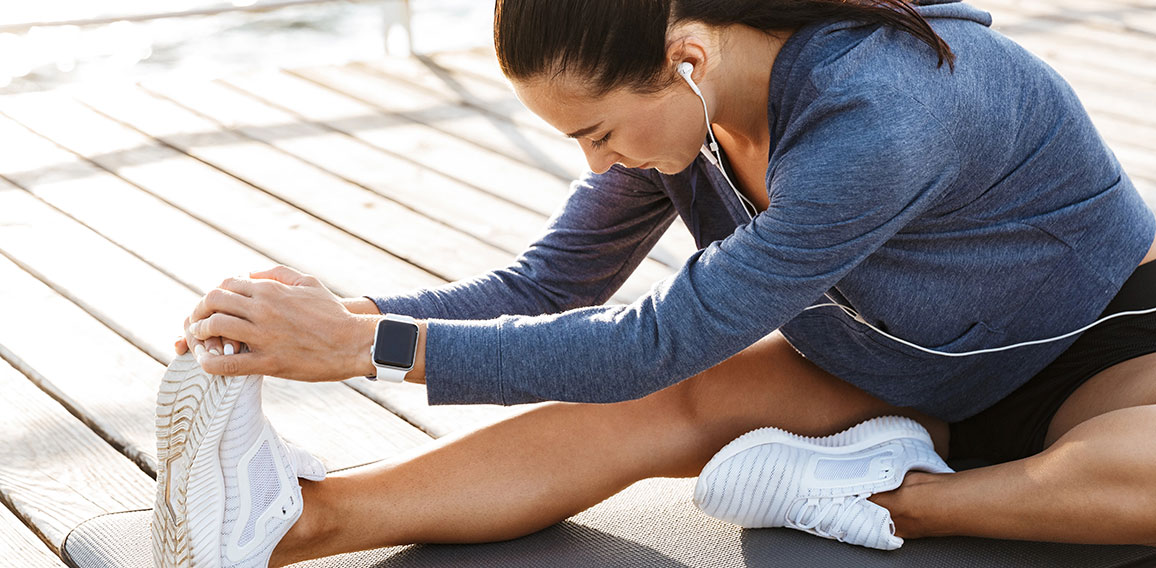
394 347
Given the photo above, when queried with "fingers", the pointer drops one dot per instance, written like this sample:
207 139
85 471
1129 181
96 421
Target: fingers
219 300
232 365
214 345
181 346
231 347
285 275
221 325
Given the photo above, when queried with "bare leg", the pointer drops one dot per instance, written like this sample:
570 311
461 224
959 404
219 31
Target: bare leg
1093 484
533 470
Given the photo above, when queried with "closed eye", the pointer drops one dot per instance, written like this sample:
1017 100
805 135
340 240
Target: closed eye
600 143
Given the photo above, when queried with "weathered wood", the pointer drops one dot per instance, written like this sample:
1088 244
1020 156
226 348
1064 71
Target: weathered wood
549 152
492 97
417 239
432 149
56 473
103 140
455 119
488 171
497 99
20 547
142 304
499 222
158 233
237 209
412 402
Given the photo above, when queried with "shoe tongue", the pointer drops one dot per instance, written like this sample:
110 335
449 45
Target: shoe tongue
305 464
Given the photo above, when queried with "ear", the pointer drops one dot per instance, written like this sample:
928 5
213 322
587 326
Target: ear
686 43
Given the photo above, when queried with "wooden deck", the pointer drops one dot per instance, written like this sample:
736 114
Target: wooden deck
121 205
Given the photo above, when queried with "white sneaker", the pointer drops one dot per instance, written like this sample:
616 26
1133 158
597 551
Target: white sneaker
772 478
227 488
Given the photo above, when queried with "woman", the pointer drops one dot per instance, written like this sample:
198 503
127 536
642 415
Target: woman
911 192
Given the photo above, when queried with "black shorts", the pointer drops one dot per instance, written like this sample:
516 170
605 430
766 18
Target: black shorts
1015 427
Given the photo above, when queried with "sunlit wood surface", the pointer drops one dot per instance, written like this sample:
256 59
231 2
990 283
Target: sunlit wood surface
120 205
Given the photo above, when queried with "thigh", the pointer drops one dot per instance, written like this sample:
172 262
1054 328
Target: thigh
771 384
1124 385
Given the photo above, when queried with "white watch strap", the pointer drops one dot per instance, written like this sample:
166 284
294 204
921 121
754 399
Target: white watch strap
391 374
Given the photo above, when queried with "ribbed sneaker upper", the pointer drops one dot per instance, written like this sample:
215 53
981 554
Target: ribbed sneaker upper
251 448
771 478
853 519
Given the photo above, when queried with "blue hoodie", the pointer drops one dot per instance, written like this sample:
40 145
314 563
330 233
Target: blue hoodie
959 211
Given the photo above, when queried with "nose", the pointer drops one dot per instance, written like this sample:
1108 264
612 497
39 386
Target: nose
599 159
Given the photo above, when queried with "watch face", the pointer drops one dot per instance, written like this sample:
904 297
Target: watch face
396 343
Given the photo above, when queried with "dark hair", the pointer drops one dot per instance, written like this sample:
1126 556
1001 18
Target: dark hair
616 43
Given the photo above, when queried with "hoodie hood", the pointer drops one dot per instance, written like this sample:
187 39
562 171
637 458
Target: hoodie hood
952 10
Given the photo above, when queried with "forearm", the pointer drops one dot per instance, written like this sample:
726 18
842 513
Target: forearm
362 306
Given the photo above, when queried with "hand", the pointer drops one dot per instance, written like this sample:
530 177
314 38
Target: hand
284 275
292 325
213 345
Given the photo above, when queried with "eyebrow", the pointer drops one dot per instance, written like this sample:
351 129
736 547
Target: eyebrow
584 131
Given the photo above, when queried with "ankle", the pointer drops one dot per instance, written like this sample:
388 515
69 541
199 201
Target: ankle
908 504
309 530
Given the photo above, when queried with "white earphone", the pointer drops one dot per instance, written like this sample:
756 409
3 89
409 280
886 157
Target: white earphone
686 69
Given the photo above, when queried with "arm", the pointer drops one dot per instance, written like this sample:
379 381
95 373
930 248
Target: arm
605 228
850 172
295 328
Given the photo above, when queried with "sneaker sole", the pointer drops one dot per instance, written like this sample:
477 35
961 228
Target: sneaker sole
193 408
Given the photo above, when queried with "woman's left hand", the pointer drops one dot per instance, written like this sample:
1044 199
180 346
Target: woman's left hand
293 326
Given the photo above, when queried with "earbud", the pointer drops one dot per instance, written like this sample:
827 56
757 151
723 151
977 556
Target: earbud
686 69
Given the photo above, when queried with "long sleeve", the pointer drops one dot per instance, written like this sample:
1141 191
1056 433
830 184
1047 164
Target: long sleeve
590 246
850 170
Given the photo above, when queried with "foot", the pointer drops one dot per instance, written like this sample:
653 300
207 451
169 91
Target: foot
772 478
227 488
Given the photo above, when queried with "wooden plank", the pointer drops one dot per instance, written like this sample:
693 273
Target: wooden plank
20 546
412 401
489 171
152 229
487 95
252 216
1093 54
481 63
1127 17
56 473
235 208
432 149
71 258
498 99
504 224
417 239
393 96
548 152
1037 20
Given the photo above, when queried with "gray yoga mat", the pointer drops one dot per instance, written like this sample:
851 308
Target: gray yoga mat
653 523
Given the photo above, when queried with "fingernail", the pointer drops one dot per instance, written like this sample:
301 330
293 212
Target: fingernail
215 351
229 349
200 353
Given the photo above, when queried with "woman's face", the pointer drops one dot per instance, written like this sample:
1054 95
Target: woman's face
663 131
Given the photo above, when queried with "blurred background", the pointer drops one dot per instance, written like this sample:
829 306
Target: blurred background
118 39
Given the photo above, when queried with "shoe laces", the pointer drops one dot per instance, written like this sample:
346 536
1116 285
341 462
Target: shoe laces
832 514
